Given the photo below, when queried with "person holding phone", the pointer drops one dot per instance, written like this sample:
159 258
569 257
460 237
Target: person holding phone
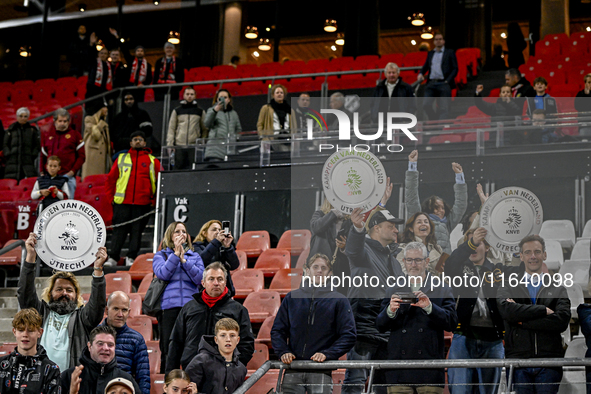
224 127
213 243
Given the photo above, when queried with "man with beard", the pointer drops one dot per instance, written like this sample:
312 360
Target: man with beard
140 73
130 119
66 320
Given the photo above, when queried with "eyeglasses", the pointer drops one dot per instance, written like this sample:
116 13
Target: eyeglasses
538 252
414 261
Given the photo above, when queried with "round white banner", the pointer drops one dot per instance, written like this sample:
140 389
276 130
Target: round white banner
69 234
353 180
509 215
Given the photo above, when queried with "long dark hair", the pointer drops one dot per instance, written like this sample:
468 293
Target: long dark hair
409 236
429 205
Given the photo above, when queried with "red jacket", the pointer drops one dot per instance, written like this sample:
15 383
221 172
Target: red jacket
139 187
68 146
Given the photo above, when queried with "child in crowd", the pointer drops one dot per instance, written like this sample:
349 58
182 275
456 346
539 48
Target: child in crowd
216 369
542 100
177 381
51 187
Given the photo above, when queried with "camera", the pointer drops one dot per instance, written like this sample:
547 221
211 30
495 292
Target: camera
408 298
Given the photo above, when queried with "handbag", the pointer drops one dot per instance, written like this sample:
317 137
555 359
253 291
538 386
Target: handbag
152 304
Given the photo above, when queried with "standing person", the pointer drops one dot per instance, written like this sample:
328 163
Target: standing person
182 268
583 104
535 315
224 127
325 225
130 119
119 69
184 127
51 187
442 68
140 73
66 319
67 144
168 69
277 118
131 185
515 45
21 147
420 228
80 52
27 369
302 111
97 143
100 79
392 94
313 323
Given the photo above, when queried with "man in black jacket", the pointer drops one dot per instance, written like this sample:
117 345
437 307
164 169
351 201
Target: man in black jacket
131 119
520 86
393 94
199 316
536 311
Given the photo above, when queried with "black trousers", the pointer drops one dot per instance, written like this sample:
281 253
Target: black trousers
165 324
123 213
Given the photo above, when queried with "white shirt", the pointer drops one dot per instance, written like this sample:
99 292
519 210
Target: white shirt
391 87
55 339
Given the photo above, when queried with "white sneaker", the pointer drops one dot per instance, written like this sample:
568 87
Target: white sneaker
110 262
129 261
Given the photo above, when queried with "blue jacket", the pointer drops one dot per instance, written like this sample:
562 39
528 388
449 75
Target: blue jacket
182 279
132 355
214 251
449 66
314 319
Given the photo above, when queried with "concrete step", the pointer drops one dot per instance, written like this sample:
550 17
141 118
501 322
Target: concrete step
8 313
6 325
8 292
7 336
8 302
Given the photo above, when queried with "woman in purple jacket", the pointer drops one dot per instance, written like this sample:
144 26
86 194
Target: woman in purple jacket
182 268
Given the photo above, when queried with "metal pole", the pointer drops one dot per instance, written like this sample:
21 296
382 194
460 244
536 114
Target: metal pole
577 203
370 380
582 213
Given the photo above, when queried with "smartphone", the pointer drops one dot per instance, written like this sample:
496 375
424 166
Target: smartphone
222 101
226 227
408 298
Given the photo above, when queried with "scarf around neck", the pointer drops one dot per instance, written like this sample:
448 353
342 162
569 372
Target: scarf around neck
209 300
164 76
98 80
436 218
143 65
281 110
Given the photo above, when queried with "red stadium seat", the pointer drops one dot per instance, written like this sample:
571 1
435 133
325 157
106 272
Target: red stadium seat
247 70
141 266
118 281
135 304
295 241
144 285
7 348
247 281
243 260
272 260
156 383
415 59
555 77
8 184
397 58
264 334
286 280
142 324
261 305
445 139
261 354
12 257
546 48
253 243
302 259
317 65
154 356
265 384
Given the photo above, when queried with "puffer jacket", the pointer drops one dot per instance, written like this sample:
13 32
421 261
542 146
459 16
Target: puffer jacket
442 230
182 278
185 125
214 251
224 126
132 355
21 147
41 375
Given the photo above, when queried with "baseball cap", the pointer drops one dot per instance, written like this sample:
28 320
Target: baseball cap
121 381
377 217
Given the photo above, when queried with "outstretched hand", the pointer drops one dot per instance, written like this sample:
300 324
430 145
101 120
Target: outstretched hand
30 247
414 156
483 197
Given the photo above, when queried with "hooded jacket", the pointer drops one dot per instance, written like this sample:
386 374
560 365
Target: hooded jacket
214 251
67 145
41 375
21 147
95 376
186 124
313 320
210 371
197 319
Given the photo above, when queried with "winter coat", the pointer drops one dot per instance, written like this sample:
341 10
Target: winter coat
442 230
185 125
435 252
323 228
67 145
210 371
368 257
313 320
21 147
523 89
225 127
83 319
197 319
126 122
265 123
41 376
214 251
402 99
182 278
178 75
97 146
529 331
132 355
95 376
416 335
499 108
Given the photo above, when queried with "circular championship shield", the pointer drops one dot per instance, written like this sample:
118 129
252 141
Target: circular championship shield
69 234
509 215
353 180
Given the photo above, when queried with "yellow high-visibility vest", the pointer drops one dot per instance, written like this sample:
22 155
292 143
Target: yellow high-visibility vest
124 163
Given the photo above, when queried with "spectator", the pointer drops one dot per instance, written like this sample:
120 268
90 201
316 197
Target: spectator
177 381
51 187
535 315
43 375
392 94
66 320
224 127
497 61
130 119
584 313
98 366
132 196
123 386
444 217
504 106
217 368
234 61
97 143
583 104
199 316
325 225
81 49
213 245
302 111
442 68
337 101
184 127
100 79
313 323
540 134
520 87
371 256
516 43
119 69
542 100
140 73
168 69
277 118
416 330
182 268
21 147
420 228
130 348
67 144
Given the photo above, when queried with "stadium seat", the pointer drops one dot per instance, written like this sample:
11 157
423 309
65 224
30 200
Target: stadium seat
118 281
296 241
555 257
144 285
156 383
141 266
414 59
586 231
562 231
575 294
397 58
253 243
286 280
135 304
154 356
317 65
338 377
272 260
12 257
546 48
247 281
555 77
581 250
266 384
7 224
9 184
302 259
261 354
264 334
261 305
6 348
142 324
579 270
243 260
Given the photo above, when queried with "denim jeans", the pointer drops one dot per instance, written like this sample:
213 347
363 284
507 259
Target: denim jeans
433 90
524 377
355 379
71 186
307 382
467 348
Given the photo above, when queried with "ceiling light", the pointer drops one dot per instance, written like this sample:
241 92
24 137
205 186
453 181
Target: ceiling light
333 47
264 44
25 52
503 35
267 28
81 7
156 2
588 28
122 39
413 42
330 26
427 33
255 54
251 32
174 37
99 45
340 39
417 19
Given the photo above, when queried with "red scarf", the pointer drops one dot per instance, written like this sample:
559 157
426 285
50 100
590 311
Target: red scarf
164 77
209 300
143 71
98 80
